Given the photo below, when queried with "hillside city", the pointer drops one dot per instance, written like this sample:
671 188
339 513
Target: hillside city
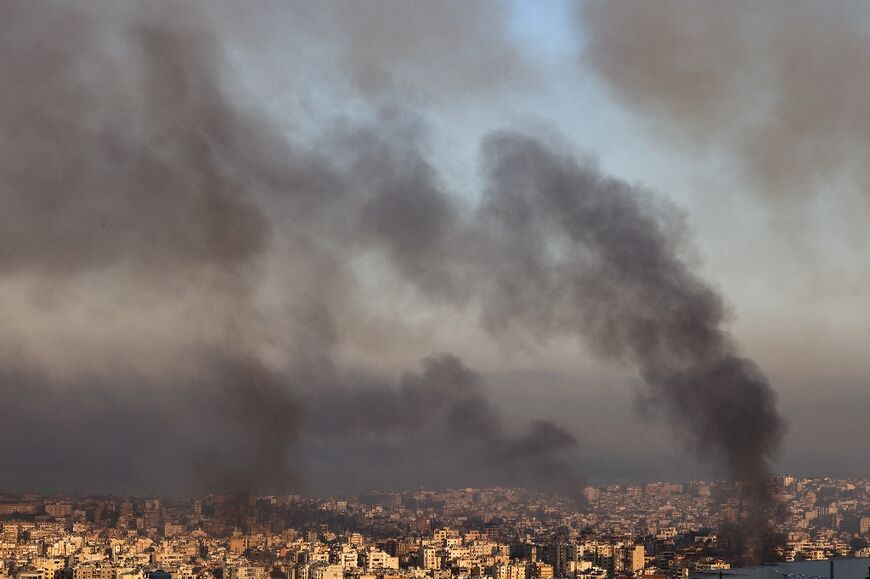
657 531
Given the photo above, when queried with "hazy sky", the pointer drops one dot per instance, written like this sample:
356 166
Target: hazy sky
226 228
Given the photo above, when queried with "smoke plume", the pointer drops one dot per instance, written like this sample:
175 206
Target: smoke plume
136 188
180 276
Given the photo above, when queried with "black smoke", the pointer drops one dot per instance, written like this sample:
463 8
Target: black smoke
555 247
202 266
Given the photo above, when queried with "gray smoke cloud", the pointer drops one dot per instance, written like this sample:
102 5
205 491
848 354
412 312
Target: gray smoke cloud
448 430
202 265
437 47
135 183
124 196
225 425
776 84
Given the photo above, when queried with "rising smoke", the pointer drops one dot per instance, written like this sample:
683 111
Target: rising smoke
136 189
180 273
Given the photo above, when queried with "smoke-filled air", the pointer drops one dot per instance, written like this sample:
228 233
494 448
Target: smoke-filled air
186 267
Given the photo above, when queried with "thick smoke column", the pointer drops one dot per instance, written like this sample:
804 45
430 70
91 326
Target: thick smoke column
623 285
609 266
558 248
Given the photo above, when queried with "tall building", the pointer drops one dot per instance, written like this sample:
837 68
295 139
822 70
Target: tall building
429 558
634 559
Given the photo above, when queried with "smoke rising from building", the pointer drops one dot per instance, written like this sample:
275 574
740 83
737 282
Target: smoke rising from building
200 264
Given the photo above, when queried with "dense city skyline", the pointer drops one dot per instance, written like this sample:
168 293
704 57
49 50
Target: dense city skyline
659 530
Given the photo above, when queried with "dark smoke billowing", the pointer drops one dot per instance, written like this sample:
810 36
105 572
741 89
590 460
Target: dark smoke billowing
136 188
183 274
615 279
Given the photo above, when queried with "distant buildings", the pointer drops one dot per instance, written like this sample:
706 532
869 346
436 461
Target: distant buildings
650 531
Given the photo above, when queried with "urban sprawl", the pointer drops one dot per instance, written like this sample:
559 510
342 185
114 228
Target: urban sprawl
655 531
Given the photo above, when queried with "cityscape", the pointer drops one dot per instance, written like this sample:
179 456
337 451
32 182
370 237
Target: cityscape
434 289
653 530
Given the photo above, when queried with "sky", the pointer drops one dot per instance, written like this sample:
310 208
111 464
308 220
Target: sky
327 248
